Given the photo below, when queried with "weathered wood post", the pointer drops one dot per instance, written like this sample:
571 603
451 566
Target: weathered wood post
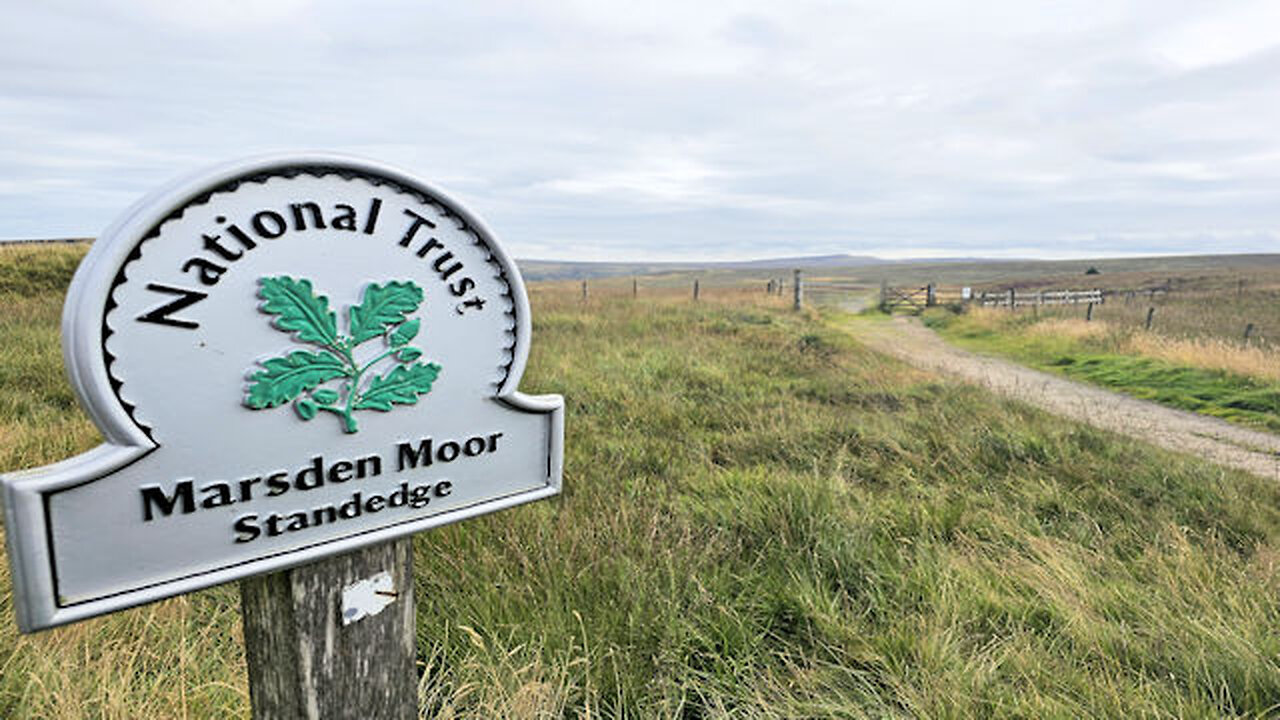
799 292
1151 311
635 288
930 296
1248 332
695 290
1088 313
1013 300
334 638
584 291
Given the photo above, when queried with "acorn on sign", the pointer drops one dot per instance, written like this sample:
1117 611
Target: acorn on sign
306 409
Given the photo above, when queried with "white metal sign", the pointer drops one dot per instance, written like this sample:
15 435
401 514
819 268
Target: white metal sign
289 358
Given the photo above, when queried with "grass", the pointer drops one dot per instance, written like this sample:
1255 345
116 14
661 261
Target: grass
761 519
1202 374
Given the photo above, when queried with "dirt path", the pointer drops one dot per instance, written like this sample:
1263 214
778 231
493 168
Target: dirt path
1210 438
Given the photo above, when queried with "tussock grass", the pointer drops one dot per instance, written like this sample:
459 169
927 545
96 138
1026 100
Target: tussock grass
1209 353
32 269
1069 328
761 519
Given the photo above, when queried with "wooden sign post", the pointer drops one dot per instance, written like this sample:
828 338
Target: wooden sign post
305 661
296 362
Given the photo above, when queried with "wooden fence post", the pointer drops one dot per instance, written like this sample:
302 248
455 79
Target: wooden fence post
1013 300
1248 332
584 291
1151 311
930 297
799 292
1088 313
635 288
695 290
306 660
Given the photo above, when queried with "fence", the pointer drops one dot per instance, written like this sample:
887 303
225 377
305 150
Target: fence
1044 297
1227 313
916 299
911 299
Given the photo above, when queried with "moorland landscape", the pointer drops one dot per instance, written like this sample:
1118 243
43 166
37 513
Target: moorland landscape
764 517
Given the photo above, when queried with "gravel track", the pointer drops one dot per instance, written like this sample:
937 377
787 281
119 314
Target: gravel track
1206 437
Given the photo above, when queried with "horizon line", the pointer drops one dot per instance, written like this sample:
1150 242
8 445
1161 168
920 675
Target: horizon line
889 259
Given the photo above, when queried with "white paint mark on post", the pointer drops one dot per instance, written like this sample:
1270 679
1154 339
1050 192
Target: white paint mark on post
367 597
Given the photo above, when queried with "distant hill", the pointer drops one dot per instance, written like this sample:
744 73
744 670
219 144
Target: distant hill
863 268
567 270
533 269
796 262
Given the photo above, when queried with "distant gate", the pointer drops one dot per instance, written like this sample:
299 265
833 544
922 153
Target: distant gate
913 300
916 300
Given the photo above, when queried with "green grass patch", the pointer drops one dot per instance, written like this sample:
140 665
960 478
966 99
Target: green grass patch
1237 398
32 269
761 519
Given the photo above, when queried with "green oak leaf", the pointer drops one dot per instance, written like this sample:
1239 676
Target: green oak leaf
383 305
405 332
401 386
298 309
284 378
409 354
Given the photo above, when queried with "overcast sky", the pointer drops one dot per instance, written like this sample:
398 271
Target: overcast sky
680 130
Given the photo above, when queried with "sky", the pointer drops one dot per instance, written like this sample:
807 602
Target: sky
663 130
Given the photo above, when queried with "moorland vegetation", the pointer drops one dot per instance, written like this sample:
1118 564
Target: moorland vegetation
760 519
1208 343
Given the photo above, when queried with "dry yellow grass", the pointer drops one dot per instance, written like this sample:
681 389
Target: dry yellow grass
1259 361
1208 353
986 319
1070 328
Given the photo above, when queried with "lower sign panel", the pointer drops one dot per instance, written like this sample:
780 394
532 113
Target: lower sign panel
124 539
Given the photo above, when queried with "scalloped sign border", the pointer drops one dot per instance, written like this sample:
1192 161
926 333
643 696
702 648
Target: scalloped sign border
41 598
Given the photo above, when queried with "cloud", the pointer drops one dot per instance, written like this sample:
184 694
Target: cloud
665 129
